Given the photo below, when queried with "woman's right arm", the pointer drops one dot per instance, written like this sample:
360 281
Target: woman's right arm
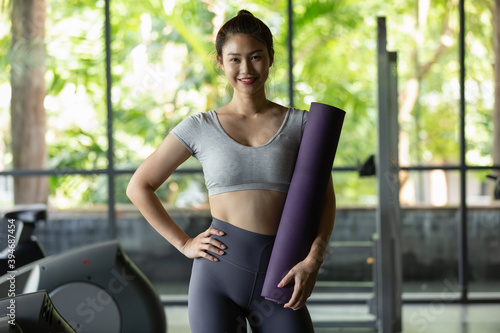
141 191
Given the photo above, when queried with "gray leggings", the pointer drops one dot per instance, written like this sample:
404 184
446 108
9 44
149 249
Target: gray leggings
224 294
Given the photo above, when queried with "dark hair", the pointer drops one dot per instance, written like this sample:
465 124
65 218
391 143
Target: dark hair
245 23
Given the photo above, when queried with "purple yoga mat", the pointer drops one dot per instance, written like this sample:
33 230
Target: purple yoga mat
304 202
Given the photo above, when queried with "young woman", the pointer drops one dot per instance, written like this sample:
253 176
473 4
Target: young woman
248 149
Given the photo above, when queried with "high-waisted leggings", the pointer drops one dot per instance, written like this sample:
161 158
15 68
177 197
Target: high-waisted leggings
224 294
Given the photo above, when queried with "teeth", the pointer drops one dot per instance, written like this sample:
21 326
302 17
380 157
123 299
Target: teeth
246 80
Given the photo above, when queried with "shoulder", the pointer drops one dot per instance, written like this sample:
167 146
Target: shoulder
193 124
298 117
196 119
190 131
297 111
299 114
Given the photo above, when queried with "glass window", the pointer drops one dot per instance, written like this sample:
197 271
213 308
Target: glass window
483 241
425 39
479 84
483 219
480 189
429 250
334 63
353 191
75 103
430 188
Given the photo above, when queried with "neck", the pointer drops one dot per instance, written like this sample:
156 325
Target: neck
249 104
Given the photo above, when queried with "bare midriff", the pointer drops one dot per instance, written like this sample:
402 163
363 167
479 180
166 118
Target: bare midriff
253 210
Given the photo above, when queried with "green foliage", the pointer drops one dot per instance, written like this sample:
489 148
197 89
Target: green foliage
335 57
479 87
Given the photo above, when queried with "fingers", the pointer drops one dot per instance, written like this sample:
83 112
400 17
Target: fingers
216 244
297 300
293 302
208 256
208 243
215 248
302 287
286 279
213 231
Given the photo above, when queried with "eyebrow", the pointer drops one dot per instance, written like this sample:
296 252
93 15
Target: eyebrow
237 54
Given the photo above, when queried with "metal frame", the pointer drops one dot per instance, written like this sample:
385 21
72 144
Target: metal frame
109 108
388 261
463 264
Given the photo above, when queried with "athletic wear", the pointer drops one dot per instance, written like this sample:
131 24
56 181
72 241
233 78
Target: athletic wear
222 294
231 166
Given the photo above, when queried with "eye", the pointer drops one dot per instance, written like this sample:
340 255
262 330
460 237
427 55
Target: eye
256 57
234 59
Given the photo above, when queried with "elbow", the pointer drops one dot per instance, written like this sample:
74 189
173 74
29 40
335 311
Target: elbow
137 188
130 190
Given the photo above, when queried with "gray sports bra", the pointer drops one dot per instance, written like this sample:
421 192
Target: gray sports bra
230 166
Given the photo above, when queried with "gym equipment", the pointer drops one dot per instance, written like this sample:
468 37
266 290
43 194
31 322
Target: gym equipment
28 249
496 190
33 313
96 288
5 327
302 210
368 167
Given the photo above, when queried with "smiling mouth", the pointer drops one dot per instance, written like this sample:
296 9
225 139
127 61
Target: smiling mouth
248 81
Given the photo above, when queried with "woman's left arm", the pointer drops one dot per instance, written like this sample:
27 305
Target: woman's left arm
306 271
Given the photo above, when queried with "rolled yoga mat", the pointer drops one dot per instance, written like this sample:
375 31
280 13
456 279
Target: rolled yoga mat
304 202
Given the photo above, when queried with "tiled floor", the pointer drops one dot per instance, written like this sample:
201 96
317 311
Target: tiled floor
448 318
417 318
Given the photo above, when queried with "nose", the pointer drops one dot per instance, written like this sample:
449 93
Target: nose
246 67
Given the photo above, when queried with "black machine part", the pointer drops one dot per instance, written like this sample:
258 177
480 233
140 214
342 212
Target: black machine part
27 249
6 327
368 167
34 312
496 191
96 288
28 213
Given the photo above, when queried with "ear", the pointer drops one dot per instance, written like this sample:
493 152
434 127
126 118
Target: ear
271 58
219 61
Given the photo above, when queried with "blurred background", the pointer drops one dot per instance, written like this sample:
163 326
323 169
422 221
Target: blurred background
80 110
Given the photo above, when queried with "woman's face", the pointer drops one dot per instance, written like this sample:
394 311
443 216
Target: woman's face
245 62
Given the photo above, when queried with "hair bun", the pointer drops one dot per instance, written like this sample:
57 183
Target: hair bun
244 12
